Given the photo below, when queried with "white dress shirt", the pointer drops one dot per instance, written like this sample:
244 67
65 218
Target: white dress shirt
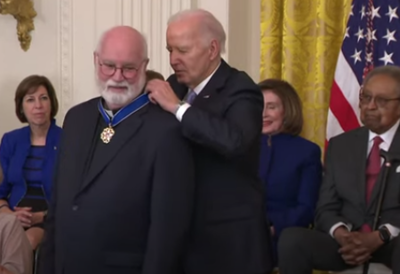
182 109
387 138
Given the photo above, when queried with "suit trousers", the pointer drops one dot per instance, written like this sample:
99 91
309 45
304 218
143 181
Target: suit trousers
16 255
301 250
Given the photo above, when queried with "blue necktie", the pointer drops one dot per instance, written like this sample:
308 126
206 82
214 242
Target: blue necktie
191 96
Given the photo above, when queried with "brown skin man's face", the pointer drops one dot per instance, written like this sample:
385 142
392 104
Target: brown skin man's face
380 103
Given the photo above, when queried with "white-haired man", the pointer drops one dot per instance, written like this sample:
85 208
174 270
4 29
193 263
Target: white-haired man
220 112
121 203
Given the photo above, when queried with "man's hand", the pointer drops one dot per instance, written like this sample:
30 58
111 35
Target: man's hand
342 236
360 247
24 215
344 239
160 92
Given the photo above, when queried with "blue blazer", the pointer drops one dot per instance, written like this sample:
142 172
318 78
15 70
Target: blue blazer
14 150
291 170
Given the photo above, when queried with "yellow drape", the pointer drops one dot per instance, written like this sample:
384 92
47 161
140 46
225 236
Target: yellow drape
300 42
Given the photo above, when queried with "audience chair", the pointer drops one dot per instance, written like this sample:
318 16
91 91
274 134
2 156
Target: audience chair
36 260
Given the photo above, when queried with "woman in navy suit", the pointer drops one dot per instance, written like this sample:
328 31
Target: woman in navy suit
290 166
27 156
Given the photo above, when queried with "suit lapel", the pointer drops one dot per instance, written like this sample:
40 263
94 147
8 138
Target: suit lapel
123 133
216 83
88 124
360 159
394 149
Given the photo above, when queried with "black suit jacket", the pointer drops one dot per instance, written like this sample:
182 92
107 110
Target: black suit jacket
230 233
130 211
342 194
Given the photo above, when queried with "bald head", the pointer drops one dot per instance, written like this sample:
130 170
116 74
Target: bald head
203 21
125 37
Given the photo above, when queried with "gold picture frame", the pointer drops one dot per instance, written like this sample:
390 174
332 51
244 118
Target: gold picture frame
24 12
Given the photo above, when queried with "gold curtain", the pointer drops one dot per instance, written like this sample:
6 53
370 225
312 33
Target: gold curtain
300 43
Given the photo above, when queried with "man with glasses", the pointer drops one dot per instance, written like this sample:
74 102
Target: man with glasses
124 181
348 199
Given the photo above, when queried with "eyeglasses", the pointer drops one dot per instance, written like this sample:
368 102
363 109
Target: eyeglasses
380 102
127 72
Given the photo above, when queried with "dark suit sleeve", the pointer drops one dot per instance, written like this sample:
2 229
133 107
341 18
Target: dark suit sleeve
309 184
235 132
172 198
47 248
329 203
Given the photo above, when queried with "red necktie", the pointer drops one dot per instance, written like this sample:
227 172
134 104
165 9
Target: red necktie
372 172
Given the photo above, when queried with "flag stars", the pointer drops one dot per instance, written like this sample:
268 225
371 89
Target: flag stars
387 58
392 13
362 11
390 36
351 10
371 35
346 35
375 12
368 57
359 34
356 56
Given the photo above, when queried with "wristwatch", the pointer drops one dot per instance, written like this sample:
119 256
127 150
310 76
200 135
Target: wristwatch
384 234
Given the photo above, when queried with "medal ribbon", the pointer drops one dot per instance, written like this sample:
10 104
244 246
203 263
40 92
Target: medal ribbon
124 112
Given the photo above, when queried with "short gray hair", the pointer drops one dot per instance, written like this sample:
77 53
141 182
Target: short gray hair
390 71
103 35
213 27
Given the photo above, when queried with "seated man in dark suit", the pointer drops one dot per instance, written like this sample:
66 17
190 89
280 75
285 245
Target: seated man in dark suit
349 194
124 181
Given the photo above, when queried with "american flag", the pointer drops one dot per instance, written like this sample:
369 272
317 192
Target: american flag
371 39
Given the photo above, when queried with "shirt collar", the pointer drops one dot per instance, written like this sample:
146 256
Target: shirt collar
200 86
388 136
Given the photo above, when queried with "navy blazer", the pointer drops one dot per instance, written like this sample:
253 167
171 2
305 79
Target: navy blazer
14 150
291 170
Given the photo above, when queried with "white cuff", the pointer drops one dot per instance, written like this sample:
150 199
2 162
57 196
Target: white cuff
333 228
394 231
181 110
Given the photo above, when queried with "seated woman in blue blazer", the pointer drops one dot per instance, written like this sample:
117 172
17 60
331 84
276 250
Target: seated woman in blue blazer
290 166
27 156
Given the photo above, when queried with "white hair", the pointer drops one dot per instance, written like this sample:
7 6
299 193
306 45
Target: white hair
143 39
213 27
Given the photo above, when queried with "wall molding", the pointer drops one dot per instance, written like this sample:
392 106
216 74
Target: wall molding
66 97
